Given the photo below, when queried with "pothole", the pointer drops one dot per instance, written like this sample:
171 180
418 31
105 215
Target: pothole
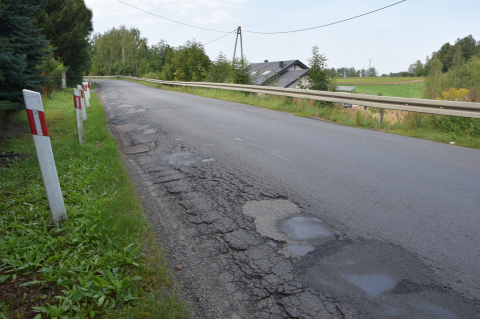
373 284
125 105
303 228
267 213
184 158
381 280
279 220
121 120
300 250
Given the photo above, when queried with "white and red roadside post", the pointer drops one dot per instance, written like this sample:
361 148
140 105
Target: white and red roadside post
38 126
84 111
77 99
86 92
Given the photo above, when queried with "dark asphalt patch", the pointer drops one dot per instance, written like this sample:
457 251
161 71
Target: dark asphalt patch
382 281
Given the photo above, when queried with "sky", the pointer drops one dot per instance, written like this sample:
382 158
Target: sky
392 38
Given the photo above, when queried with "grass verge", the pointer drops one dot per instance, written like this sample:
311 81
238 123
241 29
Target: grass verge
439 128
410 90
103 261
376 79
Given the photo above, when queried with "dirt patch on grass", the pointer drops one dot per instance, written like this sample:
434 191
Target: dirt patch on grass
7 157
17 301
393 116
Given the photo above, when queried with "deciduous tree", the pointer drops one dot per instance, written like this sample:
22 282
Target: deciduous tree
68 25
319 77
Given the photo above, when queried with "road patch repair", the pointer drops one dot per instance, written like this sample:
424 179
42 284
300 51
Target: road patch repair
249 248
279 220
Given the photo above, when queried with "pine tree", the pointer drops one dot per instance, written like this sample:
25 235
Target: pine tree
22 50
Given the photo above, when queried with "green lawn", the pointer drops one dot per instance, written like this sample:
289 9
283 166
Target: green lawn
103 261
412 90
376 80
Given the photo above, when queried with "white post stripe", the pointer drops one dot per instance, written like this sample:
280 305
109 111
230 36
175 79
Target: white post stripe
77 100
45 158
84 111
86 93
38 125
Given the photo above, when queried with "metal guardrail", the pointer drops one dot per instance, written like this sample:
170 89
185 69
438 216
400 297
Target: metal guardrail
453 108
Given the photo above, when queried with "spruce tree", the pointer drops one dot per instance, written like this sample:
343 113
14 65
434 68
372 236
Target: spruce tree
22 50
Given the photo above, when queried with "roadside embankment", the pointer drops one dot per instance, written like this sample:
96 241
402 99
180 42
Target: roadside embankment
102 261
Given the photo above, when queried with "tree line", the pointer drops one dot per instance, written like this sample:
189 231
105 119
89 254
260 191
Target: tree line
353 73
39 41
453 67
122 51
451 56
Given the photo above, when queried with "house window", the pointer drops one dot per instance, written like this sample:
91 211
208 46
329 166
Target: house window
266 72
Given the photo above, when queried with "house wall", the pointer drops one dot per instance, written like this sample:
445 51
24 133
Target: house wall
303 81
295 67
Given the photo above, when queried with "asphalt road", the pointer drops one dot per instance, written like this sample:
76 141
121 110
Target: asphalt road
362 223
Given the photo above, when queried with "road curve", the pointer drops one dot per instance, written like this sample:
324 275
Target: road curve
363 223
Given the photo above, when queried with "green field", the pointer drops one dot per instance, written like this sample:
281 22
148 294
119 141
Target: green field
413 90
376 80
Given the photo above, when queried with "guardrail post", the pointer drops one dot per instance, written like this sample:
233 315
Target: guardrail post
82 101
77 100
382 112
43 148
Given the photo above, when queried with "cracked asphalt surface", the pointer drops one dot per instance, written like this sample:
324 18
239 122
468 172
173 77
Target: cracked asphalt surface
277 216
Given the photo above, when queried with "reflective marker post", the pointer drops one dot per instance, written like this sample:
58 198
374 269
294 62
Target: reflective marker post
77 99
84 111
43 148
86 92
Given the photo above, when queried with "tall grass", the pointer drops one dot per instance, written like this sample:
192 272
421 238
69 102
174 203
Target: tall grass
410 90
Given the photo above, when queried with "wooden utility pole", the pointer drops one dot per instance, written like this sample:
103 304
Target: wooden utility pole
239 33
369 66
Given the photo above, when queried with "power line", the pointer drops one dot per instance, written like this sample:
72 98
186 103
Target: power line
326 25
188 25
259 32
221 37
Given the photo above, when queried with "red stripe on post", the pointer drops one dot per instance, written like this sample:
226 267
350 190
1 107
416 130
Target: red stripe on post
77 102
31 120
41 115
